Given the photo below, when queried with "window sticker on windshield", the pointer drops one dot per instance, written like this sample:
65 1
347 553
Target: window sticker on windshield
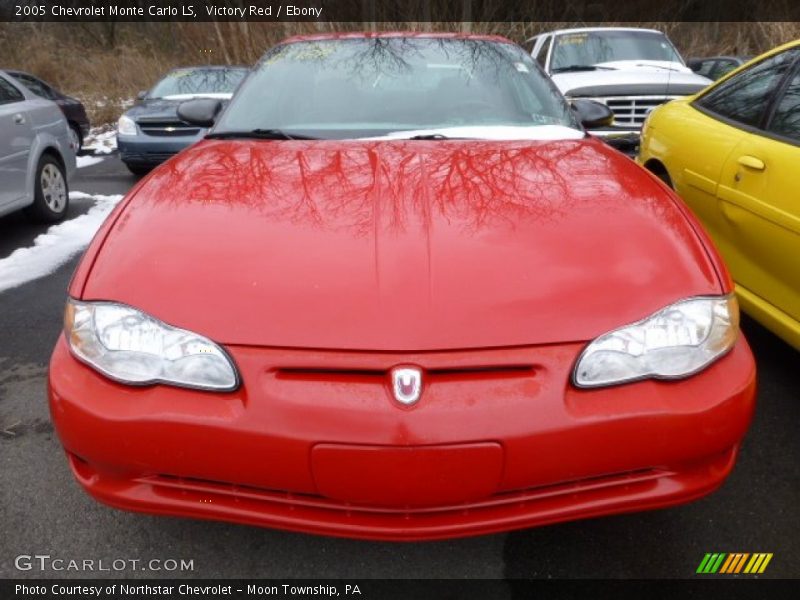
305 52
521 67
573 38
312 51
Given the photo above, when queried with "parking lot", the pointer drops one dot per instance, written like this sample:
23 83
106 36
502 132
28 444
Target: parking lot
44 512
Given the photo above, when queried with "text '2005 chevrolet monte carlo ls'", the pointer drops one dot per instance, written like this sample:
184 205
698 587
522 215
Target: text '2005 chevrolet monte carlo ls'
398 293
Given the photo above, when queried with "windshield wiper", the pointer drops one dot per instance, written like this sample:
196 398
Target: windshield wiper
258 134
428 136
578 68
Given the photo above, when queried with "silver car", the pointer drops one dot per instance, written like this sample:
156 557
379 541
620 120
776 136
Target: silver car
37 157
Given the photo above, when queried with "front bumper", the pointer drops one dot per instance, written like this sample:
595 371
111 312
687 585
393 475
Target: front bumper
145 150
314 442
625 140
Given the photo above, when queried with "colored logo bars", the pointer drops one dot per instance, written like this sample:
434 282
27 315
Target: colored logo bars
741 562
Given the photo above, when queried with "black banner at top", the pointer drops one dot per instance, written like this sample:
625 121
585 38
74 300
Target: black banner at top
398 11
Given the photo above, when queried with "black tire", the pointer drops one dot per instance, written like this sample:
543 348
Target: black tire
664 176
51 192
139 170
77 136
657 169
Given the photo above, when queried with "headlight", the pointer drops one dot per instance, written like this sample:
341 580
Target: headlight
675 342
126 126
131 347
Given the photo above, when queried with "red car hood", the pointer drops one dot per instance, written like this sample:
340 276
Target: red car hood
402 245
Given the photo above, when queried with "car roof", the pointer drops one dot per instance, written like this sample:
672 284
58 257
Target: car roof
394 34
781 48
590 29
17 73
13 80
211 67
721 57
746 65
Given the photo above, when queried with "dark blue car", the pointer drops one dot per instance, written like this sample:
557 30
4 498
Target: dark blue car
151 132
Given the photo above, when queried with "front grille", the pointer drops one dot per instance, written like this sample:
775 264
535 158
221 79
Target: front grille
631 111
191 489
434 373
168 128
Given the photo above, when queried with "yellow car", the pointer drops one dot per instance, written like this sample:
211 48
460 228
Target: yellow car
733 153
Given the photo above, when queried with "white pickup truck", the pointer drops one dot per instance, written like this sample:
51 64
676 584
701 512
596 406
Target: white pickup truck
630 70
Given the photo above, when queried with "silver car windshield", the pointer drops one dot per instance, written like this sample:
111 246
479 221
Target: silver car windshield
197 81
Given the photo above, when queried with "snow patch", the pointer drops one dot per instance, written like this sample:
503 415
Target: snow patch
85 161
104 101
101 140
57 245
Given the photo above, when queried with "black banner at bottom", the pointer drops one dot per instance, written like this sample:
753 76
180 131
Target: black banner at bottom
407 589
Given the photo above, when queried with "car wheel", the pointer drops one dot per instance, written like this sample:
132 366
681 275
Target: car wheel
75 138
664 176
660 171
51 195
138 170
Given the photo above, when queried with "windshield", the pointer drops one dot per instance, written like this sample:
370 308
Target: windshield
198 81
357 88
588 48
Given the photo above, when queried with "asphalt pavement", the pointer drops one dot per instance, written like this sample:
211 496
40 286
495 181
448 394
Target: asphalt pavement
43 511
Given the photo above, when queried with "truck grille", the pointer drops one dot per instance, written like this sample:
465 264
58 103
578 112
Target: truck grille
631 111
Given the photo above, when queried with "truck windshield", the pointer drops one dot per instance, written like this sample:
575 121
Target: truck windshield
589 48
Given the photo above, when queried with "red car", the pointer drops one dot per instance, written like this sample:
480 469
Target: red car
399 293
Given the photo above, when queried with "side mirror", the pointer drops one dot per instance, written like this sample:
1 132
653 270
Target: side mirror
141 95
694 64
200 111
592 114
